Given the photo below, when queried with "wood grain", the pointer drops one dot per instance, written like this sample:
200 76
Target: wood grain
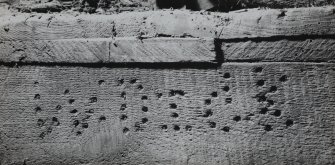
249 23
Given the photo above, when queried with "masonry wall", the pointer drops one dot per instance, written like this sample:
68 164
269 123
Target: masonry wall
253 86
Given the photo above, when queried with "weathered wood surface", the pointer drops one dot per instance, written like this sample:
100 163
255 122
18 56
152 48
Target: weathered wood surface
281 50
261 113
106 50
238 24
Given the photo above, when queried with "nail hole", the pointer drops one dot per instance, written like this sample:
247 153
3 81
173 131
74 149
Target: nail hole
123 107
120 82
208 113
100 82
78 133
58 107
174 114
74 111
144 98
123 95
214 94
125 130
40 122
268 128
226 88
133 81
208 101
173 106
76 123
176 92
283 78
140 87
188 128
229 100
258 69
66 91
260 82
145 109
277 113
237 118
93 99
273 89
226 75
176 127
212 124
164 127
71 101
270 102
144 120
123 117
37 96
289 123
225 129
84 125
38 109
102 118
159 95
36 82
264 110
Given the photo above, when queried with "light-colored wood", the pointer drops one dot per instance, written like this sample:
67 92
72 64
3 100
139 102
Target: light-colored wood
109 50
238 24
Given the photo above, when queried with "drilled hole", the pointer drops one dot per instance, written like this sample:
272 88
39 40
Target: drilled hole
101 82
188 128
260 82
212 124
144 120
164 127
93 99
123 117
268 128
145 109
125 130
102 118
214 94
226 75
38 109
264 110
229 100
74 111
283 78
58 107
273 89
123 107
37 96
225 88
174 114
176 127
76 123
289 123
208 101
66 91
173 106
225 129
208 113
144 98
237 118
71 101
277 113
84 125
133 81
258 69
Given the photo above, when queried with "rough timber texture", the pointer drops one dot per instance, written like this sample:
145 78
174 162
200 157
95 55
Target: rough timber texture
240 24
106 50
262 113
